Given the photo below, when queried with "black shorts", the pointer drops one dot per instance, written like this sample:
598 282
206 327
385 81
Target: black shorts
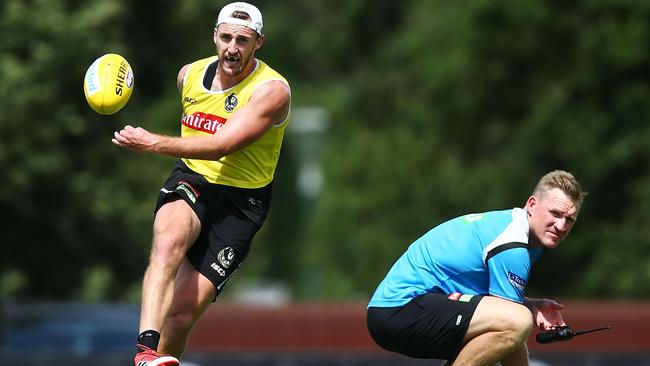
429 326
229 216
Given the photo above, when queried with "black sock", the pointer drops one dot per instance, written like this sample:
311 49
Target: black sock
149 339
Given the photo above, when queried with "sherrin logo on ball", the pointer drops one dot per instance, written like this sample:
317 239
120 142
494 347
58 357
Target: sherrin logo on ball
108 84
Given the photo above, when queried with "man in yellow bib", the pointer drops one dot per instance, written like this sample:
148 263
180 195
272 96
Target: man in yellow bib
235 112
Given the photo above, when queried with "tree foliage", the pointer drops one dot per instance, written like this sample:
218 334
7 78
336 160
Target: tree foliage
437 109
464 107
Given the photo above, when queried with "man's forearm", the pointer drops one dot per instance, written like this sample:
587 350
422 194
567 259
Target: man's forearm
195 147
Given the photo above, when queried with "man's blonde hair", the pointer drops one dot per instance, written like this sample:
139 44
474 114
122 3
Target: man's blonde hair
563 180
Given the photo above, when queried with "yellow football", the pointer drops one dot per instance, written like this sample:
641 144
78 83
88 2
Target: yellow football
108 83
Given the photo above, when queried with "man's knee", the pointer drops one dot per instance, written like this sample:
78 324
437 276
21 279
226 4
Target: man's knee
169 250
512 321
520 323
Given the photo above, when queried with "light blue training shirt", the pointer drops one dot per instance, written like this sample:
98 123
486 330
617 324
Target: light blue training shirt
475 254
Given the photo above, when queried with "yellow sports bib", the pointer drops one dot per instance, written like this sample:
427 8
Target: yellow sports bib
206 111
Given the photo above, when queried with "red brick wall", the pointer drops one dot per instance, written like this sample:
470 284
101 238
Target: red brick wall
341 327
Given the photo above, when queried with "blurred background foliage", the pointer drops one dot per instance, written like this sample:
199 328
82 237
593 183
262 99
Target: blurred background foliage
434 109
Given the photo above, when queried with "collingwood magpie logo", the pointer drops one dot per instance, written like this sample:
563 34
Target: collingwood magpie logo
226 256
231 103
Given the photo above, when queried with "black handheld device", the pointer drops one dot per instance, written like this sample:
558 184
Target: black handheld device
563 333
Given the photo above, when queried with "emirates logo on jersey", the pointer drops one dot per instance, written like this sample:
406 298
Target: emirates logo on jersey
203 122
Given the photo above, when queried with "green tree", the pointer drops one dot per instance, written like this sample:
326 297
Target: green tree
463 108
437 109
64 212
